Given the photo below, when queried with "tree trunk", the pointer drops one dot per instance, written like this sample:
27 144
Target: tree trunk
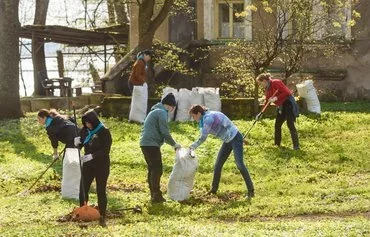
9 60
147 24
146 40
38 52
121 9
111 12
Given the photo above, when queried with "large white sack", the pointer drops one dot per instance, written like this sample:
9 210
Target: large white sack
183 105
139 103
181 180
307 91
212 98
196 98
71 174
166 91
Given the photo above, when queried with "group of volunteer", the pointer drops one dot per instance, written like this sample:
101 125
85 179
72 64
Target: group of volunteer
96 138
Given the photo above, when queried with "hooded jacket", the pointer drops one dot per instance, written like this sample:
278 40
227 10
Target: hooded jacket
62 130
155 130
100 143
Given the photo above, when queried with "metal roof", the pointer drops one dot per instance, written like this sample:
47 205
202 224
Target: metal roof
77 37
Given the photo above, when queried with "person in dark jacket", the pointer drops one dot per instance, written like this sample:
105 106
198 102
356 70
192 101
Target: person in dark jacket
154 133
287 106
59 129
138 74
96 140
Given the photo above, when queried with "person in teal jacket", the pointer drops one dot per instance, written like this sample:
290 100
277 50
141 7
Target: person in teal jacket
154 133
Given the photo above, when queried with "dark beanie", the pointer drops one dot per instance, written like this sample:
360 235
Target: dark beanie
169 99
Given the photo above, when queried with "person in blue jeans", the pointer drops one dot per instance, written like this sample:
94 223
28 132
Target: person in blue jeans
219 125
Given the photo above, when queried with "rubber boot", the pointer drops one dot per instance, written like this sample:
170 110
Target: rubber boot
158 198
102 222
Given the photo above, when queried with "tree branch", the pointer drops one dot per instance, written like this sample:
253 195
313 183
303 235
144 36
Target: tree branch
157 21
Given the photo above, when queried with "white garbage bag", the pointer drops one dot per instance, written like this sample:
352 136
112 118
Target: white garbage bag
212 98
71 174
183 105
139 103
307 91
196 98
181 180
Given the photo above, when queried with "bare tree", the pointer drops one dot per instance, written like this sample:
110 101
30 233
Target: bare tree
38 50
9 60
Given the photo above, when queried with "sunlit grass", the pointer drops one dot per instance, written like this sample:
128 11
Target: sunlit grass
321 190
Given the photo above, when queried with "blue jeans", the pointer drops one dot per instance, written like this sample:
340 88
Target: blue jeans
235 145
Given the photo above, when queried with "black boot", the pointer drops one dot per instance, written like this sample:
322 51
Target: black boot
158 198
102 222
250 195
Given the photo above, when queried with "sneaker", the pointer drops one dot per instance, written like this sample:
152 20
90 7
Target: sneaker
102 222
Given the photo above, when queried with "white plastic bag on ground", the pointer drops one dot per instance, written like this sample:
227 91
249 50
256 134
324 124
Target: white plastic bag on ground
139 103
181 180
71 174
166 91
307 91
183 105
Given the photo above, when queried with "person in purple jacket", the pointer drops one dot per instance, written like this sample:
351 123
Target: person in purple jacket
219 125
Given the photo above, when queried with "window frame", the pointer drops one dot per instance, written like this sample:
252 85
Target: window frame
231 19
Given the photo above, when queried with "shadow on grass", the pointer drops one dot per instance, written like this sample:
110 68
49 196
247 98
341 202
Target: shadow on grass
11 132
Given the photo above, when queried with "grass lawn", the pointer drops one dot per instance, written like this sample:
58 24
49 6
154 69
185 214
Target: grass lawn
321 190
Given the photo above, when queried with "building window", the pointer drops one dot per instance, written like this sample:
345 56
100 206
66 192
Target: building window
229 24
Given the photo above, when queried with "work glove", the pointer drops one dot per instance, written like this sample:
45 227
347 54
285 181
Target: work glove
177 146
272 99
259 116
55 156
86 158
77 141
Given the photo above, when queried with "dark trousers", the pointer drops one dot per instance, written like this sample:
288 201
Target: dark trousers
285 113
99 171
235 145
153 158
